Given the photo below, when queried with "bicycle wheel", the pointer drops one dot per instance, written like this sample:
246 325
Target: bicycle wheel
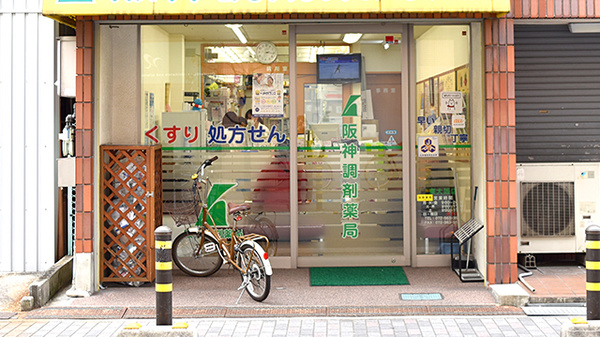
259 284
185 248
263 226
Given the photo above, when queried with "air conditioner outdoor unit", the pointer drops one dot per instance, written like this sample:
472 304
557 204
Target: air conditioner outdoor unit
556 202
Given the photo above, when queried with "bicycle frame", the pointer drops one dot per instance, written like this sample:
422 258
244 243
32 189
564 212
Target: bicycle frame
227 247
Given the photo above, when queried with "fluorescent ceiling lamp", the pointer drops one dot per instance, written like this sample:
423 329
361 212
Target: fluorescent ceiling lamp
584 27
237 29
352 37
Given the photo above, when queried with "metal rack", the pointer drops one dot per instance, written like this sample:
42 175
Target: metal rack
463 235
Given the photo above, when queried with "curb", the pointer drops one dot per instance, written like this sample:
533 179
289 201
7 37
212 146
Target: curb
73 312
46 286
580 329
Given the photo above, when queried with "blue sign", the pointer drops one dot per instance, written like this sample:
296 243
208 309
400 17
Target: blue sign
391 132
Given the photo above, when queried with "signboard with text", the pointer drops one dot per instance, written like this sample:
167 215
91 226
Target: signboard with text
188 7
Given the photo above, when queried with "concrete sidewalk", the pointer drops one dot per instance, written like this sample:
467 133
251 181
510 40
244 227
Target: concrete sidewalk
291 295
426 326
294 308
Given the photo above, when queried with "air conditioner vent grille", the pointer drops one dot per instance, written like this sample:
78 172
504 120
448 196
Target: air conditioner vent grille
548 209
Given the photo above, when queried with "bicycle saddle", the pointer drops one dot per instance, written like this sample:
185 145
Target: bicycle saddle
237 207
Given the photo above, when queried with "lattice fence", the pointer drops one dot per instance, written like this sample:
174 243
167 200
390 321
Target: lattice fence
131 210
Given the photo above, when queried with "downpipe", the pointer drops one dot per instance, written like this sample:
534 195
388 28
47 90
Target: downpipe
526 273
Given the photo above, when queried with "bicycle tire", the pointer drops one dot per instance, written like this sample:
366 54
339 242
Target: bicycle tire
205 264
260 282
263 226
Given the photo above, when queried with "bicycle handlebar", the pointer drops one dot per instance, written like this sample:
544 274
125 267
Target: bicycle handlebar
205 164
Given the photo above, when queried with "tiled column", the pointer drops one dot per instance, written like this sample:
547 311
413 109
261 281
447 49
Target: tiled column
500 152
84 153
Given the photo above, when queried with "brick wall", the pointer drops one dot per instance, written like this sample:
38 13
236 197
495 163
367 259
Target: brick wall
84 135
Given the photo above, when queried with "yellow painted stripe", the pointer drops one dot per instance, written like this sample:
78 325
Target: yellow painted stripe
164 288
164 265
162 244
592 286
592 244
592 265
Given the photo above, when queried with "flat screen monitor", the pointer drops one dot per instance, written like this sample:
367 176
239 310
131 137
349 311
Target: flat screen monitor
339 68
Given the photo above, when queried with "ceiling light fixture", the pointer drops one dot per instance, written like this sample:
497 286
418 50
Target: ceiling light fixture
237 29
352 37
584 27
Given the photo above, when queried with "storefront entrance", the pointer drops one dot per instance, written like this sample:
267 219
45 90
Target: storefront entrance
350 152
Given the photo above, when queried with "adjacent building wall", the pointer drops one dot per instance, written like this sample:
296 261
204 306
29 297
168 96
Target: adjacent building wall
501 196
28 137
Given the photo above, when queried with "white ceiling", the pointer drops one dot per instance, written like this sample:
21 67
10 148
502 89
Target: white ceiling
278 33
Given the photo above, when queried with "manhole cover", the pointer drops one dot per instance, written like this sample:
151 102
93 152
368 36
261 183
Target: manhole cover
421 297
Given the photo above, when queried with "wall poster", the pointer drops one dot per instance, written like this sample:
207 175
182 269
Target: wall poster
267 94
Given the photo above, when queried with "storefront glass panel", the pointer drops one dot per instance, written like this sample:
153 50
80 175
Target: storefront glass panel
350 163
243 118
443 137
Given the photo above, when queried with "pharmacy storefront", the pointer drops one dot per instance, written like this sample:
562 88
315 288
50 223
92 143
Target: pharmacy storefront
356 137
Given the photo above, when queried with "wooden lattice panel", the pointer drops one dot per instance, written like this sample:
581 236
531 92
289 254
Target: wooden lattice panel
131 192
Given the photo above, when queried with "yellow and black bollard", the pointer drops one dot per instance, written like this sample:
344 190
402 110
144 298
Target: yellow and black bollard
592 266
164 276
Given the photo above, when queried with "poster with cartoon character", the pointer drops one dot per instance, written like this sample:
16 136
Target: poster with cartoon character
451 102
267 95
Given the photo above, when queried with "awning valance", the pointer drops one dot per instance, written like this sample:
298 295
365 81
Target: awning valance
64 8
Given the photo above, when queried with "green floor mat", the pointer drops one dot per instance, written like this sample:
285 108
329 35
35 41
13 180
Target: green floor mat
357 276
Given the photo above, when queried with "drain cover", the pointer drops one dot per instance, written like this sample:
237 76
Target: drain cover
421 297
554 311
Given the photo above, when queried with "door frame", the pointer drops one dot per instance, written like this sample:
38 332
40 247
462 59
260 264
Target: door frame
477 132
408 205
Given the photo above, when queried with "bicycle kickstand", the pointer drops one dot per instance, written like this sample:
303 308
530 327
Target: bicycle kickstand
242 287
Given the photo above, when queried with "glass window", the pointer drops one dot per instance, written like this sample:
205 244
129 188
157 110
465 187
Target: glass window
349 156
221 90
442 127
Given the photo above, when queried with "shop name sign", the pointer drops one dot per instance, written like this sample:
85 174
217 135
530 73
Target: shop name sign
186 7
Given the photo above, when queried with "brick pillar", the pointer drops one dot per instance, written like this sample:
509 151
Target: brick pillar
501 212
84 153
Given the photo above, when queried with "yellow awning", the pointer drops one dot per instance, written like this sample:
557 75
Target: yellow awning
65 8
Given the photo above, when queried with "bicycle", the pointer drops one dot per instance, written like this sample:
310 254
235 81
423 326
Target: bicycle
200 250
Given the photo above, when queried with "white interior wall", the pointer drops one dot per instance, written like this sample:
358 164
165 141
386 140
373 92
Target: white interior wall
177 70
155 66
378 59
28 138
438 50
